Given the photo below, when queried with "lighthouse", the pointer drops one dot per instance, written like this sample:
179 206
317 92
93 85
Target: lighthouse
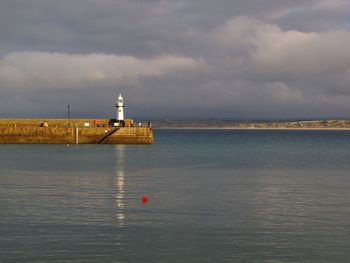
120 108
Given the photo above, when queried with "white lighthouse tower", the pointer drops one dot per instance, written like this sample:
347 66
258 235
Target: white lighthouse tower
120 108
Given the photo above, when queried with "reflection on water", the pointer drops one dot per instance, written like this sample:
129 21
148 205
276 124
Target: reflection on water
119 184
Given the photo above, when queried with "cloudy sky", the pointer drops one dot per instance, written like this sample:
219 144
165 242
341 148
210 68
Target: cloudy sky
223 59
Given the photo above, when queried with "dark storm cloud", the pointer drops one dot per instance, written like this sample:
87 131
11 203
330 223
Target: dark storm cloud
183 59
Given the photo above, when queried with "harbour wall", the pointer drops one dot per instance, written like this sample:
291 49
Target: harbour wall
25 131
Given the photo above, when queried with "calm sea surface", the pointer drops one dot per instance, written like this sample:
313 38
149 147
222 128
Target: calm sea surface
214 196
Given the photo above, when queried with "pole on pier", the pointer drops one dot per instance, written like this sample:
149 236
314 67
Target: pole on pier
76 134
68 114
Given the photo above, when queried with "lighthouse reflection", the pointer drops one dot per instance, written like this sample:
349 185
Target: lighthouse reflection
119 185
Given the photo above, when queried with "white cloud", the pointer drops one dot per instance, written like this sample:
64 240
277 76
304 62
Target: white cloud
57 70
299 54
268 49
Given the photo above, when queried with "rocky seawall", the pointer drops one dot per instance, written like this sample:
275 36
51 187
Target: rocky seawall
76 131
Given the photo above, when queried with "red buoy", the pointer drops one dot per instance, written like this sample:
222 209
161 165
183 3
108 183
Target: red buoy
144 199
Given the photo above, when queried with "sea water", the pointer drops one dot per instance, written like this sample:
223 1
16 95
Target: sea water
213 196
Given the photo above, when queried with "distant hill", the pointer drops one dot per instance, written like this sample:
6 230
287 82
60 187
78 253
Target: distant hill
304 124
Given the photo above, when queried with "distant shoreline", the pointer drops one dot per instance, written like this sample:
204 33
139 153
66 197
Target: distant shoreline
305 125
331 125
234 128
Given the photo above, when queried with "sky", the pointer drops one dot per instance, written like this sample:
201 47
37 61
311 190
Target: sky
175 59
